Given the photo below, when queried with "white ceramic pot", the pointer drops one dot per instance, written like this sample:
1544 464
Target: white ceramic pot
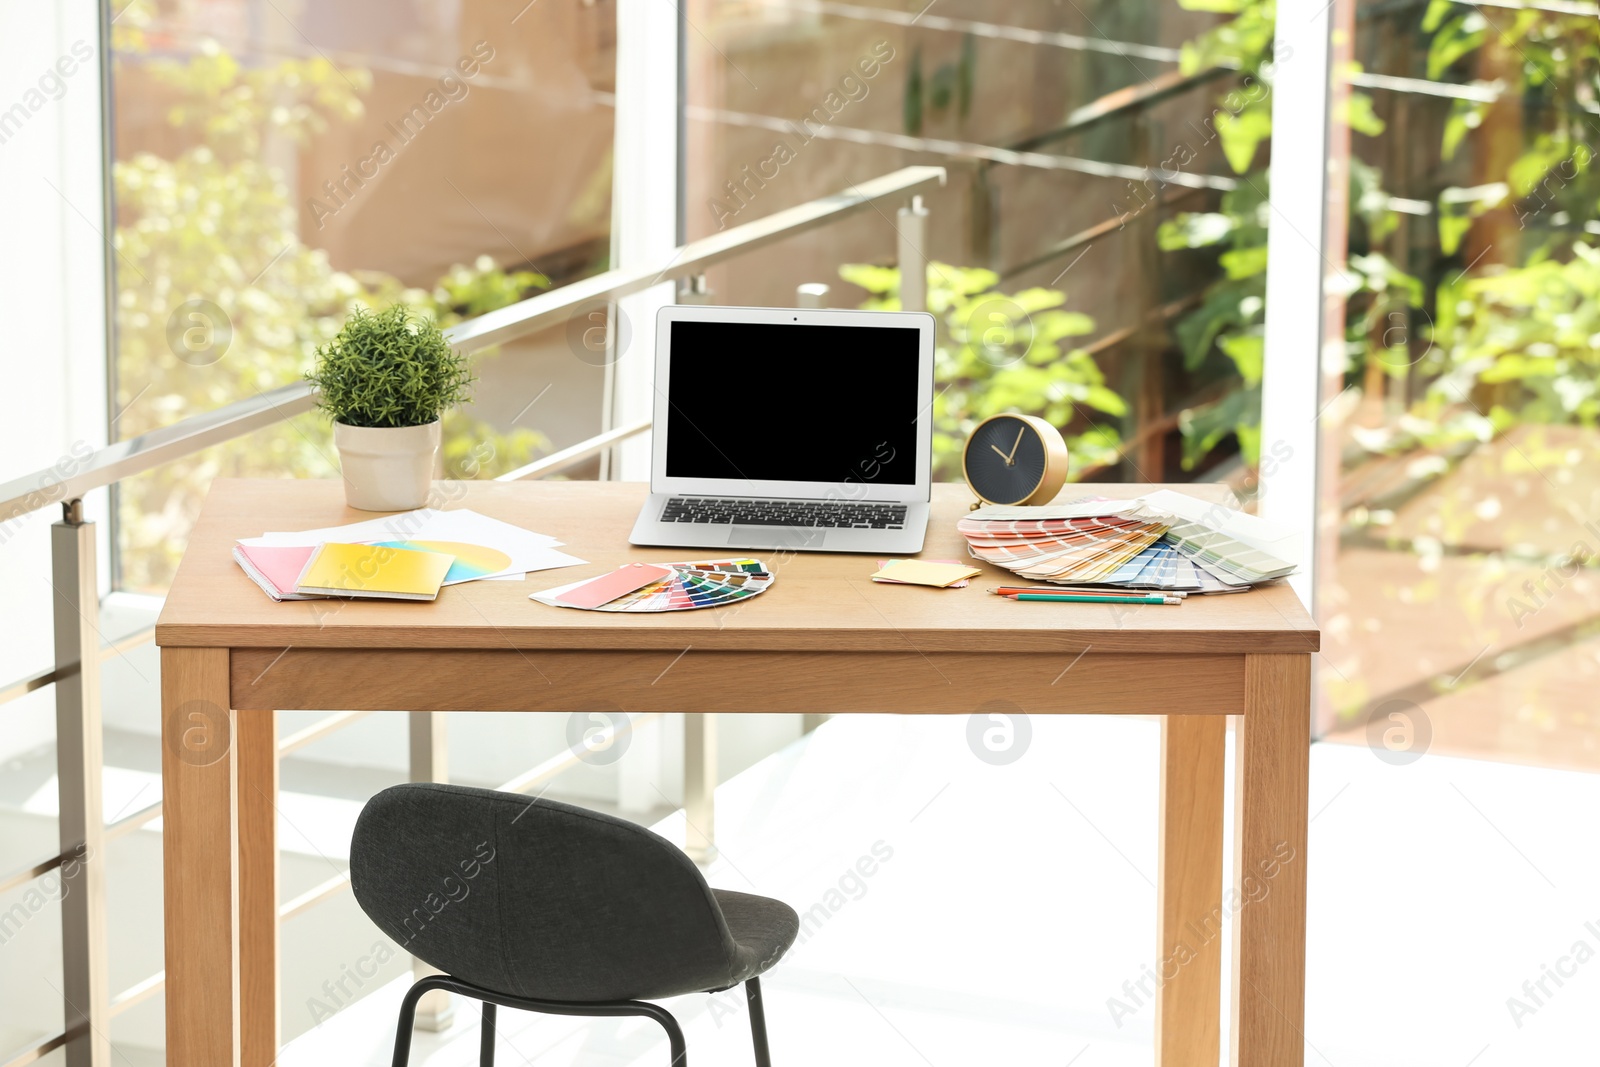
387 468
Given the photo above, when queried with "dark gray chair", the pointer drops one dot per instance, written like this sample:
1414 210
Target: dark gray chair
543 906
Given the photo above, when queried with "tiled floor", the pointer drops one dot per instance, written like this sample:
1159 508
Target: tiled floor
1015 901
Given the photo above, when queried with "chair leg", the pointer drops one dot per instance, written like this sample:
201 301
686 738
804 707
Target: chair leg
489 998
408 1019
486 1037
758 1022
675 1042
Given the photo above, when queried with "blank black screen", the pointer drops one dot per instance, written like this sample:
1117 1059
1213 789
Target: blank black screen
791 402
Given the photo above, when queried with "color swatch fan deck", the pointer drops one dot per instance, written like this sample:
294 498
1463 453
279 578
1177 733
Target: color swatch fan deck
641 587
1146 543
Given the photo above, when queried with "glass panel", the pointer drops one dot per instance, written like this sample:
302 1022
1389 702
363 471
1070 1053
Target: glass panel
1459 609
1099 250
30 938
277 162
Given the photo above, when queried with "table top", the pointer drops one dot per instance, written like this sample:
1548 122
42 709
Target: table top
819 601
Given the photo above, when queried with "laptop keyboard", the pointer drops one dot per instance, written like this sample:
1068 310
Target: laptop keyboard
830 513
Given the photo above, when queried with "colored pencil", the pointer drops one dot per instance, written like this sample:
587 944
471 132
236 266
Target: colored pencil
1071 590
1079 598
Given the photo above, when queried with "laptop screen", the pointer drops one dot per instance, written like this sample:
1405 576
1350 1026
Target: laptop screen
791 402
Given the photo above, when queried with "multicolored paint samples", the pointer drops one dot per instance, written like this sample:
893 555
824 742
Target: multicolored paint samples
696 584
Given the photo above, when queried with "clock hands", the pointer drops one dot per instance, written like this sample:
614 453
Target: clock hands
1011 460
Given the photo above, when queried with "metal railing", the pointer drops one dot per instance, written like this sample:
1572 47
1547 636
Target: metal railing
88 1003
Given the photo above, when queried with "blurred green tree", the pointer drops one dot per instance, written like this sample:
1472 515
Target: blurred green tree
995 352
219 299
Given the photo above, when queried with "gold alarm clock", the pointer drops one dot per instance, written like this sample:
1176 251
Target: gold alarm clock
1015 459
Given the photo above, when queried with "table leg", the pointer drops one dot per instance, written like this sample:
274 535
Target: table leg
200 859
700 786
1269 931
256 742
1190 905
430 762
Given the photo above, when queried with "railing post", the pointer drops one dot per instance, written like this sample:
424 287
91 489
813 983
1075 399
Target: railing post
811 295
430 762
695 290
700 786
79 761
912 231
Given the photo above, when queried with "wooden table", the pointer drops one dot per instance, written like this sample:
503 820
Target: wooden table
828 638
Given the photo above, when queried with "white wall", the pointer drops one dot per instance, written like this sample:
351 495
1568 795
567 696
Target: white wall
51 286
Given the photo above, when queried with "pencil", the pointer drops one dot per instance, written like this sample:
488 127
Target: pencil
1083 598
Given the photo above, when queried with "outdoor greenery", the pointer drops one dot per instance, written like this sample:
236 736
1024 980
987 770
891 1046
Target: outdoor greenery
1518 343
391 368
1481 346
1229 323
996 352
219 299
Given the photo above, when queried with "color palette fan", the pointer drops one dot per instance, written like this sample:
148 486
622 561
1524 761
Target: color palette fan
1174 544
641 587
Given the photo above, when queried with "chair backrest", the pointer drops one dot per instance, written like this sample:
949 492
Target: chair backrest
535 898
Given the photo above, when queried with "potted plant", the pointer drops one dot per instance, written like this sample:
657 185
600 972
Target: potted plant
385 379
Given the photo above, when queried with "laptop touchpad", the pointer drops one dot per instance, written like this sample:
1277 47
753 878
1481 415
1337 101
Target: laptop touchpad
776 537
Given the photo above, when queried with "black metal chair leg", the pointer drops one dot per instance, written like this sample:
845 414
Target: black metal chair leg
486 1037
408 1019
489 998
758 1022
675 1042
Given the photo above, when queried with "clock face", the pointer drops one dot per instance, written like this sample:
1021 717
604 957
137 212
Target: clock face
1005 460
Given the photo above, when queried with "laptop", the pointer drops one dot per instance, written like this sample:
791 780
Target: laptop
784 428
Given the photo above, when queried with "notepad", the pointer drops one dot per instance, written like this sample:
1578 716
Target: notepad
374 571
926 572
275 569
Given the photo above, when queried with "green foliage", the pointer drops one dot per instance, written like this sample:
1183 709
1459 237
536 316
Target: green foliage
389 369
1244 41
467 292
1356 111
209 221
1516 342
225 105
1242 134
1230 318
911 108
1229 322
1529 338
996 353
1555 76
950 84
1454 37
1465 116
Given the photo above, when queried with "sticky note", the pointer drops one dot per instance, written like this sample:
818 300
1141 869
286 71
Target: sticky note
924 572
962 584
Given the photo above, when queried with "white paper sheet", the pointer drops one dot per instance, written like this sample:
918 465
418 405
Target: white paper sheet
529 551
